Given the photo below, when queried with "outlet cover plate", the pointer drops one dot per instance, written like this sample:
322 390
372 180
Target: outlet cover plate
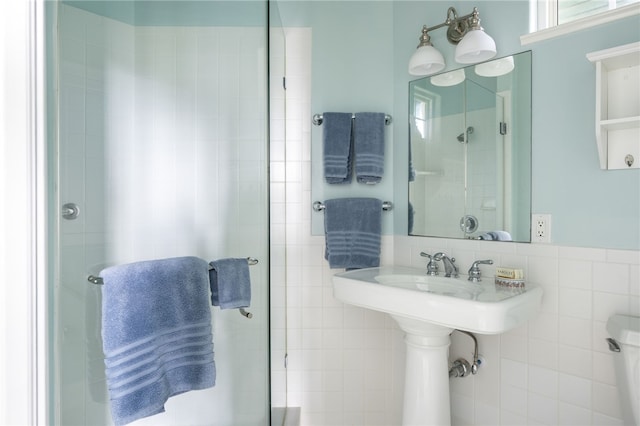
541 228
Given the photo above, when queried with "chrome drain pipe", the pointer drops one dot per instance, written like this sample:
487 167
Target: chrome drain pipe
461 367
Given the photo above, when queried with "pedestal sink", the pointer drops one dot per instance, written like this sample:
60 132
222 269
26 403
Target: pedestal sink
428 309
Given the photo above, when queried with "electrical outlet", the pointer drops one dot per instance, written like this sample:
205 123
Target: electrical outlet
541 228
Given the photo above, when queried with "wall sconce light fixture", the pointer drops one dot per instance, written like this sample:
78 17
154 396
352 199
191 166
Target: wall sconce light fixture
473 44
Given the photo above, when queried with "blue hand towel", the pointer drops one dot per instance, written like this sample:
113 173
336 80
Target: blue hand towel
230 283
337 146
496 236
156 332
353 230
368 146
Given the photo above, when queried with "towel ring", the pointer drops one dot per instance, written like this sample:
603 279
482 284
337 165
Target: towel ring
319 206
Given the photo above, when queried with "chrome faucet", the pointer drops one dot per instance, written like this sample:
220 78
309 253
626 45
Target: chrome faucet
432 267
450 268
474 271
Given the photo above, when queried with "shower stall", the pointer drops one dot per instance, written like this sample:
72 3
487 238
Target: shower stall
159 148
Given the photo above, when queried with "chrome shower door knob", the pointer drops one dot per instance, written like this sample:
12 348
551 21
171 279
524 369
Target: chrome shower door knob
70 211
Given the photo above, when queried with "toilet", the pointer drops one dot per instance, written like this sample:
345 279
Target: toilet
625 342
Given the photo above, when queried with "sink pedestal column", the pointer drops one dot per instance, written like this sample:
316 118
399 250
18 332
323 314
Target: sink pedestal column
426 387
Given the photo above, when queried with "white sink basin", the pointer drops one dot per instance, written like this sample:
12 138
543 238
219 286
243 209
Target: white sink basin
448 302
427 309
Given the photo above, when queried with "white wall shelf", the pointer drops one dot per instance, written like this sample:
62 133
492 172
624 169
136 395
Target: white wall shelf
618 106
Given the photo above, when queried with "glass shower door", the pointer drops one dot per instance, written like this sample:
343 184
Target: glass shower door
437 171
162 152
485 158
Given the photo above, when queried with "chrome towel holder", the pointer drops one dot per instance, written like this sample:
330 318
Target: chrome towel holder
317 119
251 260
319 206
99 281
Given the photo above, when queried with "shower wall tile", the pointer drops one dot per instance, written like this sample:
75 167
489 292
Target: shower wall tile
573 415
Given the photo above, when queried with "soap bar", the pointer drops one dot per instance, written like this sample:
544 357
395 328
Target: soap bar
511 273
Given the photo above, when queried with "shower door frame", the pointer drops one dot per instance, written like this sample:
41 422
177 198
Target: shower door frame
25 254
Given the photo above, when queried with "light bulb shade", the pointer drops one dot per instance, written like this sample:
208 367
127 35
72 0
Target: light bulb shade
426 60
450 78
476 46
495 68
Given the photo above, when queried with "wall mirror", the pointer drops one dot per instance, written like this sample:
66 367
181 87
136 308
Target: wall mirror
470 152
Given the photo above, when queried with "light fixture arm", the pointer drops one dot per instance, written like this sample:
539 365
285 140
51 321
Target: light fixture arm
458 26
425 40
471 46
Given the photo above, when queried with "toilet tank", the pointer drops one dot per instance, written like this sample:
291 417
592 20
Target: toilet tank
625 329
626 332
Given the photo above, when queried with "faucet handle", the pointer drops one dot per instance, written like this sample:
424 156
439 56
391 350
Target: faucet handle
482 262
474 271
427 255
432 267
439 256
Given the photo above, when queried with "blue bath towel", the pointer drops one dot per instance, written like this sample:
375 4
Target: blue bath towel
353 230
230 283
337 146
368 146
156 332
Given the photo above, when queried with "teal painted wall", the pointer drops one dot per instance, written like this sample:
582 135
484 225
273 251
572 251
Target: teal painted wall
352 71
589 207
361 51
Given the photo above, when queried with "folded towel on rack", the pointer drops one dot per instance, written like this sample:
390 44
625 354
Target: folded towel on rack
156 332
337 146
230 283
353 230
410 217
412 170
496 236
368 146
